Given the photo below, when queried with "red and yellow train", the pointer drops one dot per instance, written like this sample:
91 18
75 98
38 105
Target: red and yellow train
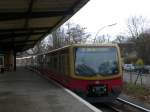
92 71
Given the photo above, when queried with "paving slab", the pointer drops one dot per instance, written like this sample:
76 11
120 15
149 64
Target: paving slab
25 91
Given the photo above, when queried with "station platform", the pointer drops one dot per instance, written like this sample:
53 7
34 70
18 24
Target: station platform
26 91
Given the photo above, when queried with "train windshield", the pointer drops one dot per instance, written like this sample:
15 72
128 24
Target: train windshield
96 61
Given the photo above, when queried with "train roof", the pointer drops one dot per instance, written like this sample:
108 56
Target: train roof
83 45
88 45
77 45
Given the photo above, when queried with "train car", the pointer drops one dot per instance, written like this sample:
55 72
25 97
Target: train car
92 71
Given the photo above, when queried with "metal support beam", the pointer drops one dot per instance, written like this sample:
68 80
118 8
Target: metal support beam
16 47
20 41
5 16
71 11
7 36
25 29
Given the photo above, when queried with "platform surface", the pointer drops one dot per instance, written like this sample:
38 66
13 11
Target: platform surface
25 91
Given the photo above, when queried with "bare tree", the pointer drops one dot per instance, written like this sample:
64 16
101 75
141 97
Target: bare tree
37 49
120 39
140 36
136 25
41 47
76 34
103 39
59 38
70 33
143 46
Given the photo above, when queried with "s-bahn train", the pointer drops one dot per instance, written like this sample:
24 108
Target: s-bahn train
92 71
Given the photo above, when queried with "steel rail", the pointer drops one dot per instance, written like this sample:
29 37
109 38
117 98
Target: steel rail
133 105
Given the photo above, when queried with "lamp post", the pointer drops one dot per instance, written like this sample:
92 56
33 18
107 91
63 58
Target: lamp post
102 29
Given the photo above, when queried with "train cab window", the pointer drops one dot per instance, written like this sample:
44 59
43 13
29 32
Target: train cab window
96 61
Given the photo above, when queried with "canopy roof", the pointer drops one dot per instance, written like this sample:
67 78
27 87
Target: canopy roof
24 22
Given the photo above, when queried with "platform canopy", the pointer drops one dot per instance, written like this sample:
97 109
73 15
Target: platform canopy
24 22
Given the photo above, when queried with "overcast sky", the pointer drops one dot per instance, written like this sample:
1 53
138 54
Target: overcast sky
99 13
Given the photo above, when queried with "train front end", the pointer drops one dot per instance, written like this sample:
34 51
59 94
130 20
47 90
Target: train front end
96 72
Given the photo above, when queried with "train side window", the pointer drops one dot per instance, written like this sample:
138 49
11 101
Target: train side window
52 62
48 60
66 64
55 62
44 59
58 63
40 59
62 64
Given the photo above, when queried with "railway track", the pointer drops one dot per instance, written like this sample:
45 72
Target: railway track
132 105
121 105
